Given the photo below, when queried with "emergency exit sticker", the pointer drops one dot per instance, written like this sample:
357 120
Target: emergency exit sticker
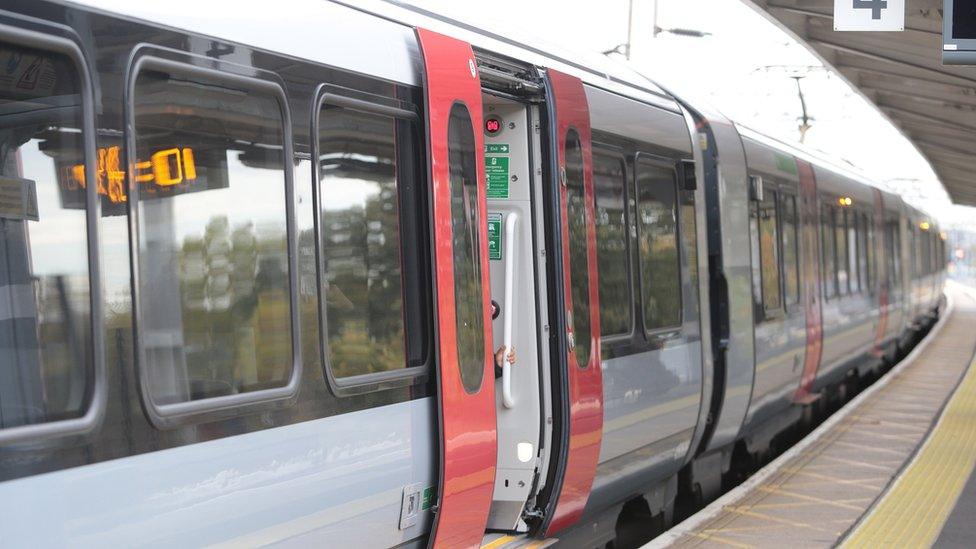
495 236
496 170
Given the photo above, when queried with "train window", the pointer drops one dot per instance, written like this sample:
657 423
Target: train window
610 182
853 250
689 236
657 238
769 252
916 254
791 269
212 238
893 236
45 303
829 258
756 263
465 222
927 252
578 264
867 260
840 246
370 283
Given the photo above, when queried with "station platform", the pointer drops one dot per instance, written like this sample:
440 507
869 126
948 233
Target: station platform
893 468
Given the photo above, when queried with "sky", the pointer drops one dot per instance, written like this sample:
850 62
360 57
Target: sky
744 68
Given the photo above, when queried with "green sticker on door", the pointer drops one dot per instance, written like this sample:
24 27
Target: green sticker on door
495 236
496 168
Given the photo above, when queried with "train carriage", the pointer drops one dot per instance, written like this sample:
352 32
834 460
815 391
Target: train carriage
256 267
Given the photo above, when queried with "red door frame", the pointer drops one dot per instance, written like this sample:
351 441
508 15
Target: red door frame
468 437
810 216
586 383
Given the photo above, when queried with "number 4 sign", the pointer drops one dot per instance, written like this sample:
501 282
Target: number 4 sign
869 15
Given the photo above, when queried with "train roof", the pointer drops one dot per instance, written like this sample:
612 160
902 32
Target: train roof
402 59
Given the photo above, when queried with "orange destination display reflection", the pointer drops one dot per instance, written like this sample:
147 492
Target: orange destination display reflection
167 172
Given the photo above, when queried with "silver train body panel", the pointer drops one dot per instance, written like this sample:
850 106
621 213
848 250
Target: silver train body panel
336 481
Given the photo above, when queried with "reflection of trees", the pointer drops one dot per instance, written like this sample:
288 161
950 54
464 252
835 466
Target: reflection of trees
578 260
364 298
579 275
465 222
235 301
611 245
768 252
659 259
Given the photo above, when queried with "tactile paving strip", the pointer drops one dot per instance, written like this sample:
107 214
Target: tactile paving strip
820 494
913 511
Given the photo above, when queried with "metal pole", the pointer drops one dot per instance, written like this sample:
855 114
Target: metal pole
654 28
630 29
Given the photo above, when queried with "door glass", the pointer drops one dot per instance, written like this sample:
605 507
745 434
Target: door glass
578 264
468 297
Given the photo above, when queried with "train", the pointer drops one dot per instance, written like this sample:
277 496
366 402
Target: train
309 360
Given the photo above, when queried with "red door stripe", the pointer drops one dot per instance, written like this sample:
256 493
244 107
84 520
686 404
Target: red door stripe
467 421
810 216
585 384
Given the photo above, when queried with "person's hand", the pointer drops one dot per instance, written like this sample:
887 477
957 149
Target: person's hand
500 356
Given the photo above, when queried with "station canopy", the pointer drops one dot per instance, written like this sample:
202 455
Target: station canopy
901 73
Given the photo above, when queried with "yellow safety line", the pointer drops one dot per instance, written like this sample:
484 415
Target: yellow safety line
913 511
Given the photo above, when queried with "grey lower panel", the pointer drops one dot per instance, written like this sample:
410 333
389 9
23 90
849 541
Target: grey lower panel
335 482
648 397
636 472
651 405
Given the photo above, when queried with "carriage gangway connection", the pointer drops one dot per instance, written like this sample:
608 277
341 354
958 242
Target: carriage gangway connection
892 468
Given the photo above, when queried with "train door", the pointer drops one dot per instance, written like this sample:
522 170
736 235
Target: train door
466 396
579 318
811 255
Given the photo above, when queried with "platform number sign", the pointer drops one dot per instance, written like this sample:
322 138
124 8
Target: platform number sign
874 5
869 15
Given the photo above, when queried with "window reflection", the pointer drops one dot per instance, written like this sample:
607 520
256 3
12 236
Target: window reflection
609 181
658 245
213 256
465 223
769 252
362 279
578 260
827 243
840 243
791 271
45 328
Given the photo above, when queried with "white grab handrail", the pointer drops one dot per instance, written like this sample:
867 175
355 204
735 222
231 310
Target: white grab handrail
511 224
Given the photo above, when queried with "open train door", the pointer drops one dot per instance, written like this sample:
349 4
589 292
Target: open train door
582 378
465 369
